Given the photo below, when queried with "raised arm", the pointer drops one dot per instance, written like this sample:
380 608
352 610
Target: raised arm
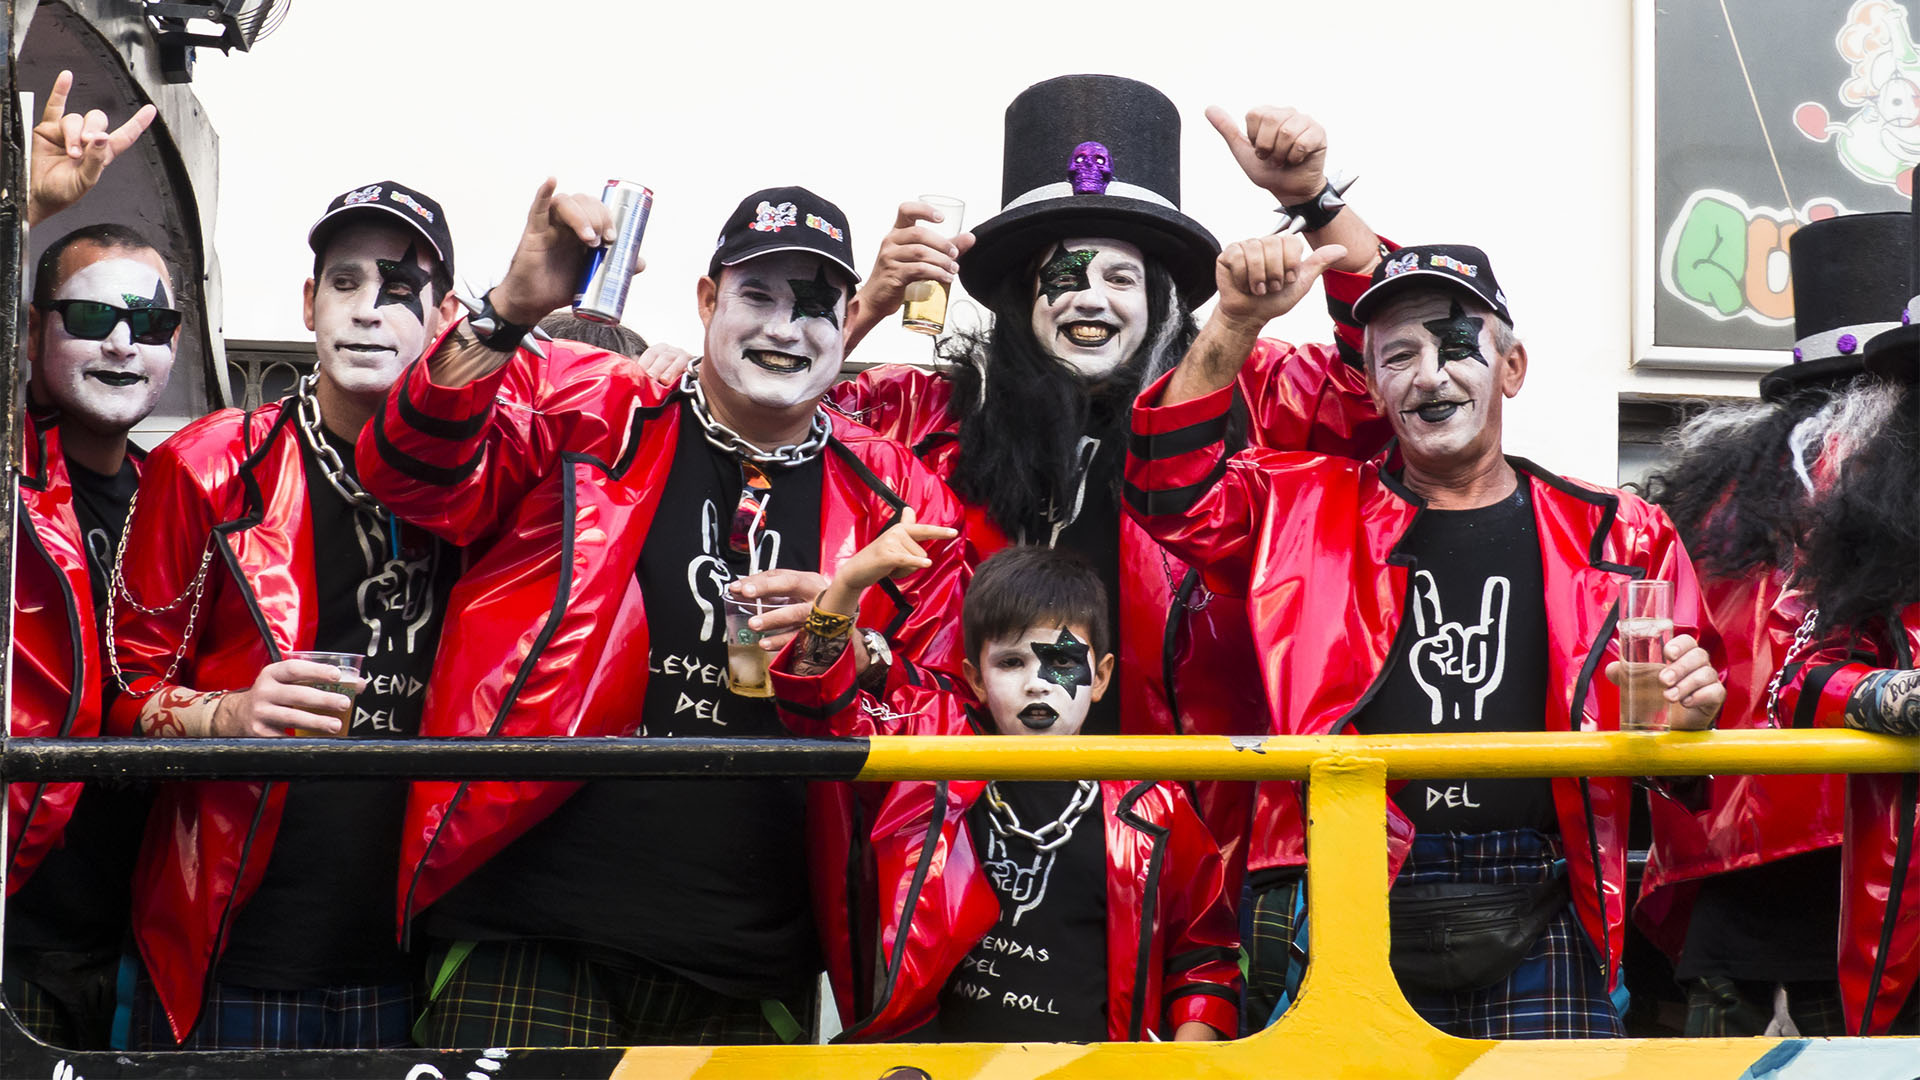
460 438
71 151
910 253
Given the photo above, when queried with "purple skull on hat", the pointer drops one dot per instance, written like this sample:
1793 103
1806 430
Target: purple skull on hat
1091 169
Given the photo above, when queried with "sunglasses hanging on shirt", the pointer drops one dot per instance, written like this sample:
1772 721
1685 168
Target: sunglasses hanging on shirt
91 320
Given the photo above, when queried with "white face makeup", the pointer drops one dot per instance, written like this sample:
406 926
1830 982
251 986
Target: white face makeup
1038 682
1090 304
1436 376
775 335
373 309
112 384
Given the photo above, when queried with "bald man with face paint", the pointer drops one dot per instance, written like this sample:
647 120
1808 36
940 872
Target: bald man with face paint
264 912
1440 587
100 342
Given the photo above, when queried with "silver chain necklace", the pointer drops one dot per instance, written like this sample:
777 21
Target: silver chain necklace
1005 822
1802 637
729 441
307 412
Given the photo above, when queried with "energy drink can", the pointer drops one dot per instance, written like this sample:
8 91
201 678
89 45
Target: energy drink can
603 291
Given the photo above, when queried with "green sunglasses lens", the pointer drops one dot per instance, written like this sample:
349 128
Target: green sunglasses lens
89 319
152 326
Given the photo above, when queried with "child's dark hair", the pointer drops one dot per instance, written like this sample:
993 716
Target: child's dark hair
1028 585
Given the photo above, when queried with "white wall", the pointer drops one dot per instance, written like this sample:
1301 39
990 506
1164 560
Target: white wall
1503 123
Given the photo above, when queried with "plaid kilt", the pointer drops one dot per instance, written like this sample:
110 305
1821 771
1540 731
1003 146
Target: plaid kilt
1559 991
1276 950
64 999
1718 1006
248 1018
548 993
38 1013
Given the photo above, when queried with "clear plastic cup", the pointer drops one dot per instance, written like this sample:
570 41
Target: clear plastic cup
351 665
746 660
1645 627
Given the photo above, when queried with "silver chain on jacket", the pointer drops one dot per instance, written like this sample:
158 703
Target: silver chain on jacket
1802 637
729 441
1005 822
117 590
307 412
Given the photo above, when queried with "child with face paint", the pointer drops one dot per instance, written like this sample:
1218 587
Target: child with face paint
252 539
1037 924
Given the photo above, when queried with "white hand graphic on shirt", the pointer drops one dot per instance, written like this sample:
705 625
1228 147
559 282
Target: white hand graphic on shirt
1451 659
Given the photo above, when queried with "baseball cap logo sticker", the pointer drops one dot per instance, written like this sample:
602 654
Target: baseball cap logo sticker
1448 262
1402 264
413 204
770 218
367 194
1091 169
815 221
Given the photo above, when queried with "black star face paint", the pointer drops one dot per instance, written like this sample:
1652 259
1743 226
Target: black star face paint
403 282
1065 272
1065 662
158 299
1458 336
816 299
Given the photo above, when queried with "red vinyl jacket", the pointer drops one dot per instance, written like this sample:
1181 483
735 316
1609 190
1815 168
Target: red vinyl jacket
57 666
1172 943
1312 542
552 470
232 481
1880 877
1748 820
1184 655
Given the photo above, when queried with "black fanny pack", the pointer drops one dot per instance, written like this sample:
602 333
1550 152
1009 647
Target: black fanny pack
1461 936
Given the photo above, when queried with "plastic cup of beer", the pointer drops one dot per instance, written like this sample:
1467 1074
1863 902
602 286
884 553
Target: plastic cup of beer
350 665
926 308
1646 625
746 660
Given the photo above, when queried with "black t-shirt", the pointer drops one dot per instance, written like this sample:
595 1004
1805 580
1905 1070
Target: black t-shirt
101 502
1776 921
1471 655
1040 975
1095 536
79 899
705 877
324 912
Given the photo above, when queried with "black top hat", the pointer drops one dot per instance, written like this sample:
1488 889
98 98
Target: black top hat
410 207
1850 276
1896 353
1091 155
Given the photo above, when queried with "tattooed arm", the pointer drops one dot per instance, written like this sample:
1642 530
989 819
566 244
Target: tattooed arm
286 694
1886 701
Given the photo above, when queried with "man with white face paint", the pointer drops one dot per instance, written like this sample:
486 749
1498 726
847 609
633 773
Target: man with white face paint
100 342
1441 587
1037 925
617 519
253 539
101 334
1091 273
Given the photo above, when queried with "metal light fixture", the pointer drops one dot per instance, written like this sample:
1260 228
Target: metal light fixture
180 28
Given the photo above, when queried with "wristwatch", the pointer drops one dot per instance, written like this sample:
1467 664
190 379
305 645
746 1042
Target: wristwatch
878 650
1318 212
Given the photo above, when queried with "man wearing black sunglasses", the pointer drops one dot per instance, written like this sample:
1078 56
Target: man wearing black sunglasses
70 847
264 912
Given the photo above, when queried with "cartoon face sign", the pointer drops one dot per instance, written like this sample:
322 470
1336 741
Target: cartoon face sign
1091 169
1880 141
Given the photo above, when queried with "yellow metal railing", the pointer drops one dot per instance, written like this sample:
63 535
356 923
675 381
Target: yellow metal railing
1351 1019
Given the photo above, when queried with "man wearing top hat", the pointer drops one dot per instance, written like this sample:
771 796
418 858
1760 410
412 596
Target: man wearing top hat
1741 886
614 517
1439 587
263 911
1855 662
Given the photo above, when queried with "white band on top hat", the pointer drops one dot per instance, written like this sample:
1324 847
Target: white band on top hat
1840 341
1913 307
1063 190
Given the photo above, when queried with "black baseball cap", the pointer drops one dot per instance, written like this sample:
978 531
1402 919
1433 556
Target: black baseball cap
1454 266
417 211
784 219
